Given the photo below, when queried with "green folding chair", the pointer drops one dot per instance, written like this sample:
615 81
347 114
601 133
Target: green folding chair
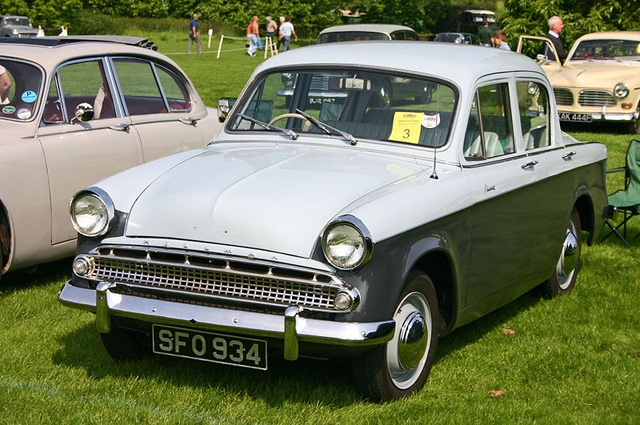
627 200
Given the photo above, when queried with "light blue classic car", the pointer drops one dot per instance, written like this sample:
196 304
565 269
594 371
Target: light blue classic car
434 187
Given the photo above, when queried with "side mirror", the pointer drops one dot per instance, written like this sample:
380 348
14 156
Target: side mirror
84 112
224 106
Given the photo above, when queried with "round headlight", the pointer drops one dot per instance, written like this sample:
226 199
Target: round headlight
532 88
345 245
621 90
91 213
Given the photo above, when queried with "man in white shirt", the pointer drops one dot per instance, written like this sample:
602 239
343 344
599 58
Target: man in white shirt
286 30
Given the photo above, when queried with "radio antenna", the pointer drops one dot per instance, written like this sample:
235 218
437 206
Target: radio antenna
434 175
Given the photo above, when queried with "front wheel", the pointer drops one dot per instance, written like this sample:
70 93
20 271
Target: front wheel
563 279
400 367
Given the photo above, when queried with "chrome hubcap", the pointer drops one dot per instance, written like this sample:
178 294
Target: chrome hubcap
407 351
569 257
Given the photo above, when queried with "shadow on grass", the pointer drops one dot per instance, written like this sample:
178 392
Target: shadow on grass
303 381
40 275
599 127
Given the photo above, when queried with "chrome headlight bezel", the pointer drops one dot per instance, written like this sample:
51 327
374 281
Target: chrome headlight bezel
92 212
621 90
358 243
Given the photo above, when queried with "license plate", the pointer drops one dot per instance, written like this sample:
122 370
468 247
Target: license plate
571 117
211 347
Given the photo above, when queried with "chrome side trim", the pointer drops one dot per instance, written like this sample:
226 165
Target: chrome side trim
293 329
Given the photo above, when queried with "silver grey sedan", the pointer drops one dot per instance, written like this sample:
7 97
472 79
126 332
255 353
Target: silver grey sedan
398 191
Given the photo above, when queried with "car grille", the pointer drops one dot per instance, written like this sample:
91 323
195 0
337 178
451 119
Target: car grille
596 98
564 97
223 278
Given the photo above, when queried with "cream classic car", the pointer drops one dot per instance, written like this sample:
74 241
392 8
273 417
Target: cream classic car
364 225
74 110
599 81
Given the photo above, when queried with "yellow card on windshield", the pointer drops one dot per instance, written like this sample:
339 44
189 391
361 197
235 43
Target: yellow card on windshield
406 127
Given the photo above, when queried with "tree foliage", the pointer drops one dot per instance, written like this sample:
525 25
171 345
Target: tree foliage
579 17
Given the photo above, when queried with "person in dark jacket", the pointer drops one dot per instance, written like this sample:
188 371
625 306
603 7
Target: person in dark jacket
555 27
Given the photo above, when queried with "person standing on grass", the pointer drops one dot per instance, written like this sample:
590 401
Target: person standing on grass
286 30
271 30
253 34
194 34
282 21
555 27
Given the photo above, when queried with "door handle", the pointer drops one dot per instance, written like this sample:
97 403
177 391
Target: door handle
530 164
568 155
123 127
189 121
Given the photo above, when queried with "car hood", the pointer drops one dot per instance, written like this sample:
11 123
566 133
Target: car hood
271 197
596 74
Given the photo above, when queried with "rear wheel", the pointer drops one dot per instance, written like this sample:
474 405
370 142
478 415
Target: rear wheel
563 279
123 344
400 367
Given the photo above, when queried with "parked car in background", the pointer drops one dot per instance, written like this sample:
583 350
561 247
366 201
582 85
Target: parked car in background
16 26
74 111
457 37
599 81
366 224
366 32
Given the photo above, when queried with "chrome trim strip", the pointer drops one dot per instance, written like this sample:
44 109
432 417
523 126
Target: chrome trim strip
218 319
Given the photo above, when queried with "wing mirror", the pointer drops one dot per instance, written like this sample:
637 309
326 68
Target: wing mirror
84 112
224 106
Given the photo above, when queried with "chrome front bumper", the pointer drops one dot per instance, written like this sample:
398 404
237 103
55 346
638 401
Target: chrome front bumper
292 328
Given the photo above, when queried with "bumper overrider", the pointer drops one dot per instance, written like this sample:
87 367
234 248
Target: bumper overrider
130 295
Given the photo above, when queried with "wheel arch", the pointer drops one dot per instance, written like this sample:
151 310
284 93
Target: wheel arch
5 238
439 266
584 205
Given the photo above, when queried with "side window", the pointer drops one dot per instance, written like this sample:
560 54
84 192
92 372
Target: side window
533 106
489 131
80 82
174 89
142 94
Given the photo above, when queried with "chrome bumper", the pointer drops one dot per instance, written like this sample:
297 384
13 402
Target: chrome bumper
292 328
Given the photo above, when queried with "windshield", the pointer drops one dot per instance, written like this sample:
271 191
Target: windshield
364 104
19 89
607 50
334 37
18 22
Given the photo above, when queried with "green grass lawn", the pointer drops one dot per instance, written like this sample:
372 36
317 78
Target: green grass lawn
570 360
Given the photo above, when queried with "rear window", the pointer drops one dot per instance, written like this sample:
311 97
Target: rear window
20 89
334 37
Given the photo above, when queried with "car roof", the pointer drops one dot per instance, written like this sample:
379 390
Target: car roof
611 35
50 51
449 61
379 28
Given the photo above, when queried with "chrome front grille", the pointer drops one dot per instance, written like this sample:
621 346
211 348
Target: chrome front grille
596 98
223 278
564 97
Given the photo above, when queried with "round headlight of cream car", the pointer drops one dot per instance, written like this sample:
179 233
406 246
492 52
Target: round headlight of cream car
346 243
92 212
621 90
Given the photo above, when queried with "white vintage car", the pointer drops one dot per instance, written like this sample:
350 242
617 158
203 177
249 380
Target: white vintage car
74 110
366 224
599 81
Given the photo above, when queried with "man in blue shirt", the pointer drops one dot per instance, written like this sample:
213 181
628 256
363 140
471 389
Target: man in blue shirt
194 34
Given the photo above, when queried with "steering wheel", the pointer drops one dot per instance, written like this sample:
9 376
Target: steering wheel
305 127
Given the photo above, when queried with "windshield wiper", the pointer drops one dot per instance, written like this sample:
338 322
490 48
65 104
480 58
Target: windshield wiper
326 128
290 133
